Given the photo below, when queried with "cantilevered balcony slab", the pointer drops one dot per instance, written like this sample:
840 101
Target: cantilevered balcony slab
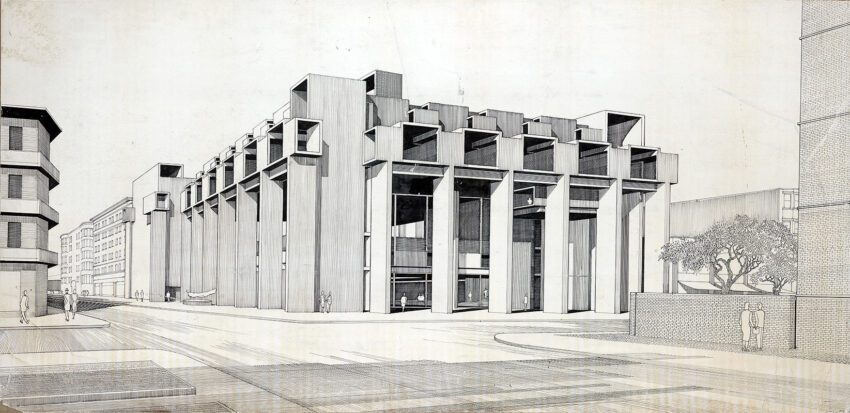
31 207
31 159
29 255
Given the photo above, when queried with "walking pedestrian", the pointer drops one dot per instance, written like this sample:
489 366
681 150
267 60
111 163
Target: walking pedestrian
66 303
746 327
403 301
74 298
142 295
25 305
167 296
136 295
328 304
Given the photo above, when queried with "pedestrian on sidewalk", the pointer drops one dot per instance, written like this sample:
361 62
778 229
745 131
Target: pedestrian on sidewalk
746 327
66 303
167 296
74 299
328 304
25 305
322 302
525 302
136 295
758 329
142 295
403 301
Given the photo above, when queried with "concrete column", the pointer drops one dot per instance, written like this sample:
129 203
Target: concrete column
246 248
226 280
302 263
609 255
155 291
185 259
501 243
556 291
657 233
210 250
270 286
444 256
635 245
380 211
197 270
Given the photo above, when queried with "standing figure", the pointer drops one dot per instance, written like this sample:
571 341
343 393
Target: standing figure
759 327
322 302
136 295
66 303
74 299
403 301
525 302
142 295
328 304
25 305
168 296
746 327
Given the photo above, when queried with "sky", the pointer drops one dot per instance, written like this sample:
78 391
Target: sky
132 83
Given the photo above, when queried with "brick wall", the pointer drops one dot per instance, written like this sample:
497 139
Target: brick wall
824 256
823 324
711 318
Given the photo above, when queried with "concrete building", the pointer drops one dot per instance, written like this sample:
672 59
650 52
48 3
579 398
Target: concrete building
823 302
77 259
26 178
157 241
352 191
112 241
691 218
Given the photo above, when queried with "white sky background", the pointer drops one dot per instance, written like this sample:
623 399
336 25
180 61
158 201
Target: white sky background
133 83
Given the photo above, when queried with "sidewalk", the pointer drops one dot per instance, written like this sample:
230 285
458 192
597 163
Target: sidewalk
417 316
52 320
748 363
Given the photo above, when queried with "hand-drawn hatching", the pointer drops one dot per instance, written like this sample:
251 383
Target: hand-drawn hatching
364 248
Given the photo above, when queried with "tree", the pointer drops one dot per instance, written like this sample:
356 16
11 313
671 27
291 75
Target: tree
780 266
731 249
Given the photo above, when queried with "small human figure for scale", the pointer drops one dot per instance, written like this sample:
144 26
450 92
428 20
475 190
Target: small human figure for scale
403 301
328 303
25 305
66 303
167 296
322 302
74 299
142 295
136 295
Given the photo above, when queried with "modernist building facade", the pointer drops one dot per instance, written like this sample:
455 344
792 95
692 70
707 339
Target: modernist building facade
691 218
823 302
352 191
76 259
26 178
95 255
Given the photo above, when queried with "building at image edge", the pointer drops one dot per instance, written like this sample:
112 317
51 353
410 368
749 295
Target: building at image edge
352 191
26 178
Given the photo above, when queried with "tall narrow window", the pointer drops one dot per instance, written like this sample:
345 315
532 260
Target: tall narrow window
13 235
16 138
15 186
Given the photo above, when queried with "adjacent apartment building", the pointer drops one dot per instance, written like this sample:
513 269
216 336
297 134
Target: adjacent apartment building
691 218
95 255
352 191
76 259
26 178
823 302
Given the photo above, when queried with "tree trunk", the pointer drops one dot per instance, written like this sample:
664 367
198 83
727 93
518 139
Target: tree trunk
777 289
727 286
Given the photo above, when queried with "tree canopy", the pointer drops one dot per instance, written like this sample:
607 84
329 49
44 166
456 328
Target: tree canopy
764 250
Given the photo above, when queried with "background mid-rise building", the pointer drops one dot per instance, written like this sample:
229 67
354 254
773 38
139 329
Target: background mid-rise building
76 259
26 178
112 243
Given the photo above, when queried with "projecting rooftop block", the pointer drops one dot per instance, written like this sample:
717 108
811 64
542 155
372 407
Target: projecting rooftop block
418 115
386 84
618 128
451 117
584 133
419 142
480 147
562 128
302 137
593 158
481 122
537 128
644 163
538 153
155 201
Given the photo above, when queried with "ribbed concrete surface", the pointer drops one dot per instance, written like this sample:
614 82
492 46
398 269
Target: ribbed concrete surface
71 383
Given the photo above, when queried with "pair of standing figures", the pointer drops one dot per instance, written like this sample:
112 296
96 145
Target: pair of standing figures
69 302
325 302
752 327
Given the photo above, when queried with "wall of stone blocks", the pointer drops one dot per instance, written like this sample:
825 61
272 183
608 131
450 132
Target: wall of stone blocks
823 324
710 318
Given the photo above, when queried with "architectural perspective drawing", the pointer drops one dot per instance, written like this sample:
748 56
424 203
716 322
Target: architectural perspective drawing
425 207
